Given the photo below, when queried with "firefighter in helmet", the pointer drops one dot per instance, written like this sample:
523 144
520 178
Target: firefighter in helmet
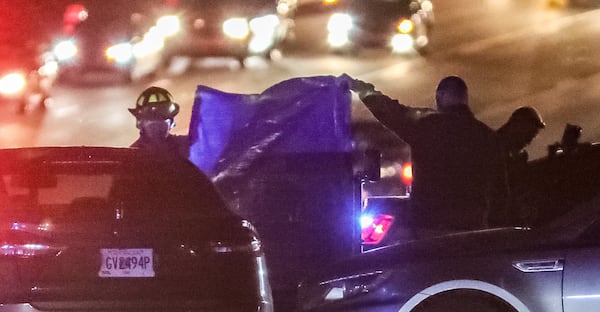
155 113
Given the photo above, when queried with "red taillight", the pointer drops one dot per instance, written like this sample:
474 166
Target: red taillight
172 3
23 250
375 228
26 240
75 13
406 174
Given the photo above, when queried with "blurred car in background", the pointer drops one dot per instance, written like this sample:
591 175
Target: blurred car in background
226 28
400 26
26 75
317 5
91 228
573 3
99 39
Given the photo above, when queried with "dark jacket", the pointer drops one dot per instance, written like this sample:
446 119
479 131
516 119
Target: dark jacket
172 145
457 166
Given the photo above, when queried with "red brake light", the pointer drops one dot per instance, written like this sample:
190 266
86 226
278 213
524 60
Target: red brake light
23 240
172 3
374 231
75 13
406 174
23 250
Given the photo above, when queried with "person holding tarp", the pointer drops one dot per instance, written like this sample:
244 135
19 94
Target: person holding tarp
458 170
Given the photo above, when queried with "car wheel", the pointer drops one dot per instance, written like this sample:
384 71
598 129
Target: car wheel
166 61
268 55
126 77
350 51
22 105
421 35
241 60
423 50
464 300
557 3
41 106
62 78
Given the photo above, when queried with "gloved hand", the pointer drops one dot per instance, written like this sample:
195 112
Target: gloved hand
358 86
347 79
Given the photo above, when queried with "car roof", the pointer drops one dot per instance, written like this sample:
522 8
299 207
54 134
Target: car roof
181 175
68 152
381 7
18 158
229 7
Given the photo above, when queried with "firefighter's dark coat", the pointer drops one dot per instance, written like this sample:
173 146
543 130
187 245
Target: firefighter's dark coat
457 168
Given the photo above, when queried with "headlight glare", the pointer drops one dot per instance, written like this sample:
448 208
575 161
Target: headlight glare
236 28
264 24
427 6
65 50
339 22
402 43
121 53
12 83
49 68
337 39
168 25
405 26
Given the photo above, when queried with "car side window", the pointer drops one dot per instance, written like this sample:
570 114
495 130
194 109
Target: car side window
587 216
592 233
169 189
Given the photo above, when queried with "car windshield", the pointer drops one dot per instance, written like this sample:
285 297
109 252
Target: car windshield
203 4
36 191
380 8
227 8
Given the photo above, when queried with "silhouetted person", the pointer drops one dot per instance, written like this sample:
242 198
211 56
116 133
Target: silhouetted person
457 166
517 133
155 112
523 125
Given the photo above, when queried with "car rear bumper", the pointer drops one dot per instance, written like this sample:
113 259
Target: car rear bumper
227 284
12 98
207 46
87 72
95 67
134 305
365 38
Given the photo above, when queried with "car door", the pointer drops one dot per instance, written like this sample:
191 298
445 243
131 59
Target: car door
581 283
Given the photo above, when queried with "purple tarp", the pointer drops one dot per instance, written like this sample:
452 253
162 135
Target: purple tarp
229 131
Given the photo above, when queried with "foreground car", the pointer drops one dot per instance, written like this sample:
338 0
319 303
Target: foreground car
400 26
553 267
93 228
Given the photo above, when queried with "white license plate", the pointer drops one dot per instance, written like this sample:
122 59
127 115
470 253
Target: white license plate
126 262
